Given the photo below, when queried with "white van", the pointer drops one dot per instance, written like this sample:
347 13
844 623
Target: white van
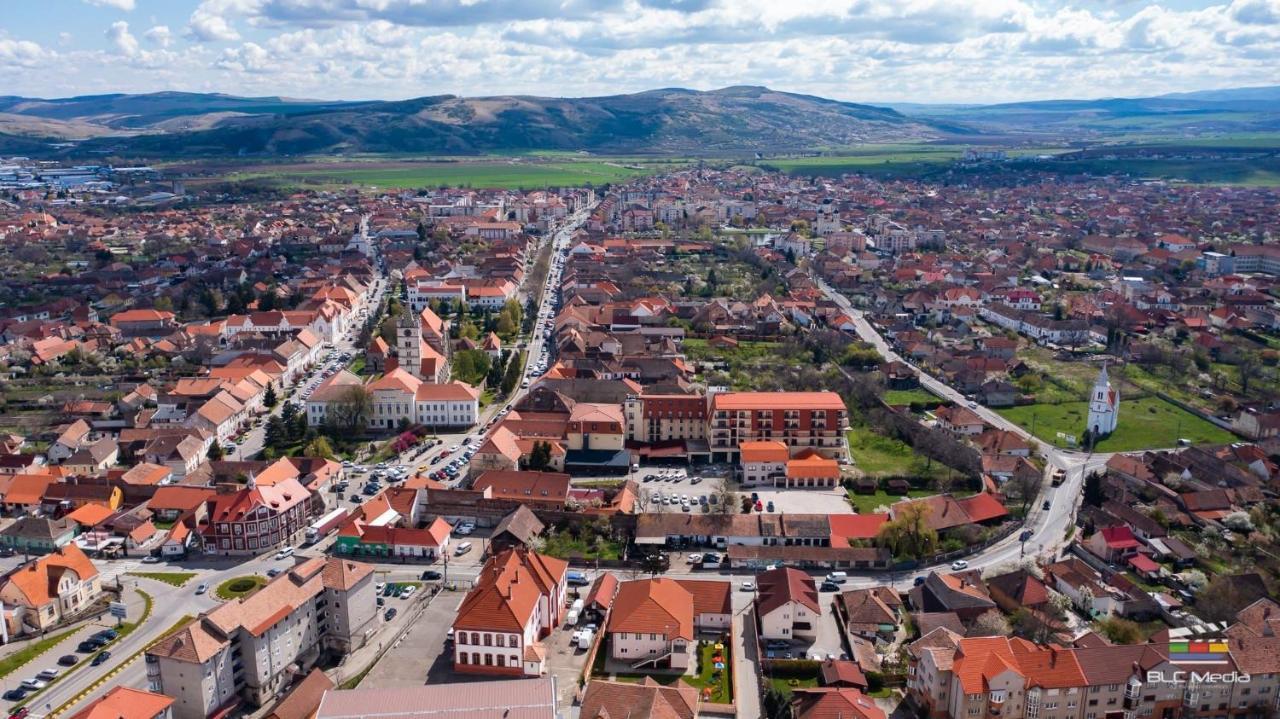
462 549
838 577
286 552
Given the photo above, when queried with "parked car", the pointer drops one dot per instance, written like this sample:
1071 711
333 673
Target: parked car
151 559
68 660
829 587
15 695
89 645
20 713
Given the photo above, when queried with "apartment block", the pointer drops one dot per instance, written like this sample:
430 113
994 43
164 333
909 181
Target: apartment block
243 653
800 420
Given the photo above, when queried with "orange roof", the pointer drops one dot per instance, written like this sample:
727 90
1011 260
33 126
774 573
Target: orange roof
125 703
37 581
814 465
28 488
979 660
651 606
764 451
776 400
91 515
275 473
507 591
855 526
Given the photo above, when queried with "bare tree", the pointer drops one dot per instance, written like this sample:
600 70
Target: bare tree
352 411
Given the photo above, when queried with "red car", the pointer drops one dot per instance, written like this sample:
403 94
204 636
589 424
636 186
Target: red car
759 507
21 713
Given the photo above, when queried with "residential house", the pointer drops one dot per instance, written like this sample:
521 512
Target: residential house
787 604
51 589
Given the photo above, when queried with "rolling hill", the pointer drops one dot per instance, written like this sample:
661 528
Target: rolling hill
734 119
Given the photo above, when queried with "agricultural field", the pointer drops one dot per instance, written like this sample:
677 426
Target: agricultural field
506 173
1145 423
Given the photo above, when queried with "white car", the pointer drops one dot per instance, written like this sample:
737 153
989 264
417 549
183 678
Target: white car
748 586
959 564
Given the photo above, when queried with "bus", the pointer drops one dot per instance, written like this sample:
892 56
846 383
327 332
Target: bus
324 525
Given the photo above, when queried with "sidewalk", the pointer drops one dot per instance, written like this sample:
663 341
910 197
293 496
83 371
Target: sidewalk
746 688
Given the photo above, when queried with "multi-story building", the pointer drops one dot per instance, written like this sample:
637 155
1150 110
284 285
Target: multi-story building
800 420
397 398
654 622
517 599
1011 678
666 418
256 519
247 650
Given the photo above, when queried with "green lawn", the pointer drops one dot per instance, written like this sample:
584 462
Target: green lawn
867 503
176 579
565 545
907 396
240 586
357 365
786 685
880 456
1146 423
720 682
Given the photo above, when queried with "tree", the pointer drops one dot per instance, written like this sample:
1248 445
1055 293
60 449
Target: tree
352 411
539 456
1120 631
215 452
775 704
276 434
1093 494
471 366
318 447
269 397
909 534
1249 366
511 377
726 499
990 624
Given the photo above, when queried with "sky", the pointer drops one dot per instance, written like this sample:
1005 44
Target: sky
932 51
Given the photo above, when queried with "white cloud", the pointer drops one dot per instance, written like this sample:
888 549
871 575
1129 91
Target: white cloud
120 37
209 20
125 5
159 35
860 50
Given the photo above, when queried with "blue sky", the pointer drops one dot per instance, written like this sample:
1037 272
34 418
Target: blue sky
860 50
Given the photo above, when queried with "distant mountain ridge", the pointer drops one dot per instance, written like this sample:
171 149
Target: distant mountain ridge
672 120
738 119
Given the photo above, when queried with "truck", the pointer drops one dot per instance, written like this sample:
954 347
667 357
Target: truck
324 525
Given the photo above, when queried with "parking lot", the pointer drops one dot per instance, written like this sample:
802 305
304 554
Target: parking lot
422 650
805 501
565 662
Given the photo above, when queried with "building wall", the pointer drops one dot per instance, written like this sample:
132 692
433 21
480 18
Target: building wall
349 613
780 623
631 647
197 689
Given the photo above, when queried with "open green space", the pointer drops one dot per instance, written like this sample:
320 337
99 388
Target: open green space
788 685
238 587
867 503
509 172
909 396
1146 423
176 579
880 456
565 545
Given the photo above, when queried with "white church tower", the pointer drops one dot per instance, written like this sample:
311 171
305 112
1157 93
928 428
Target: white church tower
1104 405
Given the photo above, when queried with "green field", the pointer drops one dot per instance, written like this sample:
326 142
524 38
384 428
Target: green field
869 503
508 173
907 396
1146 423
880 456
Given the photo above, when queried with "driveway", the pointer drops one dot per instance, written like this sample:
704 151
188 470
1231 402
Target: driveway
411 659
